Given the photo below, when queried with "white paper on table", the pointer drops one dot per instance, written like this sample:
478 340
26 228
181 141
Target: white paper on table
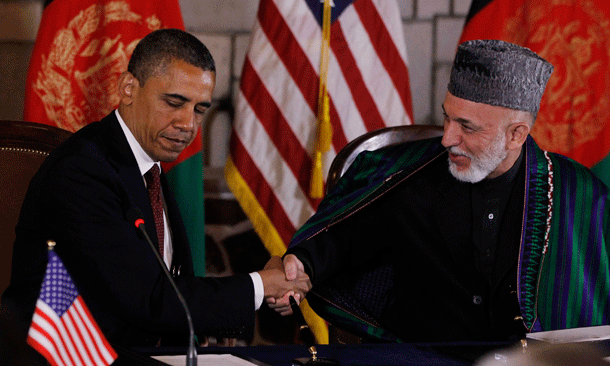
586 334
205 359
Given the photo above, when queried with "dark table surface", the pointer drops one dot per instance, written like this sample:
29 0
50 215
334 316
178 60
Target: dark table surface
357 354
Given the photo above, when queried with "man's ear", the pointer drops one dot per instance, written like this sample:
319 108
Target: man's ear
127 87
517 134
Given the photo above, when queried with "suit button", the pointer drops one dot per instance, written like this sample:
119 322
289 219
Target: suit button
477 300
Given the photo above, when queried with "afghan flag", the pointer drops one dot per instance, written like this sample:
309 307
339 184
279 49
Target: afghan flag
574 35
81 49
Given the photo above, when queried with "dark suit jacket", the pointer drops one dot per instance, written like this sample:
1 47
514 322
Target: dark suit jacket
82 198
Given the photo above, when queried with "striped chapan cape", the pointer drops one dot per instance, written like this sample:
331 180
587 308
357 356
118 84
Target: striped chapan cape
564 269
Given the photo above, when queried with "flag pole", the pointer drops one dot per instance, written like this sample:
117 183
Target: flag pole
324 129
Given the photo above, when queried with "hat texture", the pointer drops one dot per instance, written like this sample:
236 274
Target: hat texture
499 73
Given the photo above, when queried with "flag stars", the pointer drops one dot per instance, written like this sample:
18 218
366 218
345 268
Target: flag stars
58 290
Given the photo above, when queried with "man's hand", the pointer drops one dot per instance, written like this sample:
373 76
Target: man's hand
293 267
282 281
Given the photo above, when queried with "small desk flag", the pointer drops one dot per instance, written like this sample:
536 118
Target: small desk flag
62 329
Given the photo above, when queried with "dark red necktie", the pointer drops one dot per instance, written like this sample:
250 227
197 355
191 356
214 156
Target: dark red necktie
153 182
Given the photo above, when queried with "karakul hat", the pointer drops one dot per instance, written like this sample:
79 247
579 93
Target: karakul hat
499 73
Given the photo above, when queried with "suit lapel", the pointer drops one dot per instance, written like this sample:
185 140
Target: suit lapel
124 162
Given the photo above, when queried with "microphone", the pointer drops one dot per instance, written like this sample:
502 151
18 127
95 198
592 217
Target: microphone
191 356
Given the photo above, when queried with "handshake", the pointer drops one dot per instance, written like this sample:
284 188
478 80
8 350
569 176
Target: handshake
283 279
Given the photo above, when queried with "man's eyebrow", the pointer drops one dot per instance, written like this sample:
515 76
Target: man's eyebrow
463 121
185 99
177 96
459 119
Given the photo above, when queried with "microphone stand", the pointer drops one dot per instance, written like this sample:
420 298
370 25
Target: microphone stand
191 356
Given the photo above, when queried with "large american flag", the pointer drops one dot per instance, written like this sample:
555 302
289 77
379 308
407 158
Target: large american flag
274 135
62 329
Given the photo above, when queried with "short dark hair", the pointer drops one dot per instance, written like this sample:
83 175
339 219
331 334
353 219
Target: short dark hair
155 51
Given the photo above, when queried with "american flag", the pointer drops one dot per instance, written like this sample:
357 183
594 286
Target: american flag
274 135
62 329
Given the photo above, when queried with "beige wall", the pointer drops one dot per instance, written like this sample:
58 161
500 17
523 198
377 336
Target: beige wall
431 28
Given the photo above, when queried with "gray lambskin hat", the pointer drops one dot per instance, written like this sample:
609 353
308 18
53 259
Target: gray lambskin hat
500 74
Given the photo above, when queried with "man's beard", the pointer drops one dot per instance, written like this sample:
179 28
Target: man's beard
480 166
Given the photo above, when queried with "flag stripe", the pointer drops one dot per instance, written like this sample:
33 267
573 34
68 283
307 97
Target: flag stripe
360 93
294 59
66 337
184 178
47 323
76 338
280 85
475 7
263 191
251 206
40 341
278 130
298 17
287 48
84 335
370 89
269 163
106 351
386 50
274 170
91 337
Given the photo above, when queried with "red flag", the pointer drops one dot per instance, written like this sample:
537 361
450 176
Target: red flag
81 49
62 329
274 136
574 35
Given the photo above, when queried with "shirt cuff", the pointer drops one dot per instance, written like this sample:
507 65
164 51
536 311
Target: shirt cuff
259 290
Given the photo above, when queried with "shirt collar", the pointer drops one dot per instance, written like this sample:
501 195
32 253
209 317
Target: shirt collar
144 161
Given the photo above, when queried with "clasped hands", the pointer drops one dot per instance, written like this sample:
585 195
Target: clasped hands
283 279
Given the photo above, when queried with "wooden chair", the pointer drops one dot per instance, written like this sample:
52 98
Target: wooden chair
352 302
23 148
